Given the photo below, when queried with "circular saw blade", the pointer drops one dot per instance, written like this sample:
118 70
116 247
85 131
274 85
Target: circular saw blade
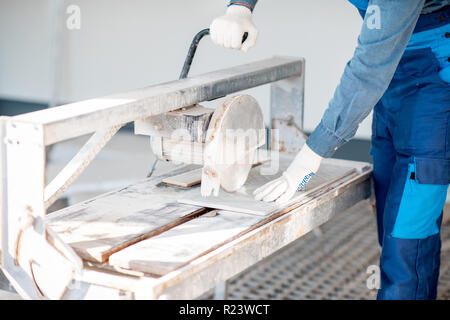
235 131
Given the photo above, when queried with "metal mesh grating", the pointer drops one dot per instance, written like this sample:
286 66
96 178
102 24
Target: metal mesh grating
330 263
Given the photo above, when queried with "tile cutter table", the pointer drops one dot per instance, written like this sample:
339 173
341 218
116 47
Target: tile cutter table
119 248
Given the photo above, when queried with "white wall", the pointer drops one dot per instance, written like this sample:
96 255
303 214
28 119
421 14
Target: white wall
124 45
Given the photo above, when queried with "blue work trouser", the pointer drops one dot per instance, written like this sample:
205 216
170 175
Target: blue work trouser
411 155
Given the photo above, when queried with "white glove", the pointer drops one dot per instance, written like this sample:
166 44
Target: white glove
228 30
297 175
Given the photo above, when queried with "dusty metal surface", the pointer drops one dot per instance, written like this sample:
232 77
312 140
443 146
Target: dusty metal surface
279 230
329 264
23 206
286 114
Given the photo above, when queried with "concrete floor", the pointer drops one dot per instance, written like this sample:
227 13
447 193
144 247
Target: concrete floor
341 250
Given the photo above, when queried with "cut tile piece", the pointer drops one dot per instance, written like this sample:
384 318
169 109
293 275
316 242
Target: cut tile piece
99 227
243 200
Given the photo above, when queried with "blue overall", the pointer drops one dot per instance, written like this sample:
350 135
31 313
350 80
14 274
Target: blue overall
401 65
411 156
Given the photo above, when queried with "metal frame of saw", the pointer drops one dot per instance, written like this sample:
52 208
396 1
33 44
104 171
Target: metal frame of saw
25 197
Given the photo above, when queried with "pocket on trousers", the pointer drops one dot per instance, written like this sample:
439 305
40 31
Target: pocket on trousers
432 171
423 199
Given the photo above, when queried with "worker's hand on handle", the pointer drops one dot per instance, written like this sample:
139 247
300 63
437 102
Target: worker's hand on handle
297 175
229 29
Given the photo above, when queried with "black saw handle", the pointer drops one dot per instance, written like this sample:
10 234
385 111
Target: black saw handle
193 49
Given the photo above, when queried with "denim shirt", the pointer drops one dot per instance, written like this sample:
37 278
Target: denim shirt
367 75
428 7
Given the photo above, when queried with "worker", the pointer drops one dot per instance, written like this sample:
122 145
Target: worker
401 70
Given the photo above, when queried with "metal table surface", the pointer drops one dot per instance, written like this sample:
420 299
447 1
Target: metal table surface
231 258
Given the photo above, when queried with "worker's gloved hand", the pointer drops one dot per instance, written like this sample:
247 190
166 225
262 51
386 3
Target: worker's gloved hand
229 29
297 175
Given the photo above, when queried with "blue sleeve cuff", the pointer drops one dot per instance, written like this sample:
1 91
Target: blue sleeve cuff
324 142
246 3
